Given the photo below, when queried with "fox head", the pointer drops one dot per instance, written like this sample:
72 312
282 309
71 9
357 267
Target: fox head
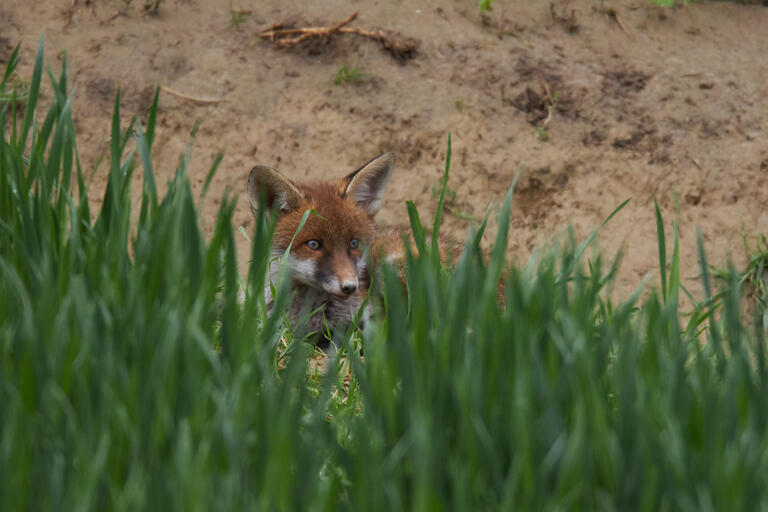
327 254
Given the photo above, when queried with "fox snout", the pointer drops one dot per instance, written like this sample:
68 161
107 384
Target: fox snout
342 278
336 276
349 286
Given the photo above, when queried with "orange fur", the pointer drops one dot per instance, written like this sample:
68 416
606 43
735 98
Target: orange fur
326 261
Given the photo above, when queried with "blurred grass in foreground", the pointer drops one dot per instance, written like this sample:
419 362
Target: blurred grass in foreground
131 377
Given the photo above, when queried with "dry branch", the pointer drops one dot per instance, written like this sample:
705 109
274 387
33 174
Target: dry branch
278 36
195 99
399 48
615 16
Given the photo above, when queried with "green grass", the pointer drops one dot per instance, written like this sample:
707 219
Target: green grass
17 92
754 277
12 89
115 396
348 75
237 17
484 5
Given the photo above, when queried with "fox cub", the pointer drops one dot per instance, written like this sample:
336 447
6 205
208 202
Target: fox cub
328 270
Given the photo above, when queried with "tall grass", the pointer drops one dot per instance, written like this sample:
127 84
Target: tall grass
131 377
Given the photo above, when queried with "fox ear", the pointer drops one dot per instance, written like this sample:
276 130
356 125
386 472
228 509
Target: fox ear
268 185
366 185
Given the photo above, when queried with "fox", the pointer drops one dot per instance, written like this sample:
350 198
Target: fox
333 257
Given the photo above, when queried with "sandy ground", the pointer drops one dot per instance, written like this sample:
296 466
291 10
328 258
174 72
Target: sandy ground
646 103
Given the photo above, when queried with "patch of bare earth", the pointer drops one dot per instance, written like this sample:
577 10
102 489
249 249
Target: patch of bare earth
646 103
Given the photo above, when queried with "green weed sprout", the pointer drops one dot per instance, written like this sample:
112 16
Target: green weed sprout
348 75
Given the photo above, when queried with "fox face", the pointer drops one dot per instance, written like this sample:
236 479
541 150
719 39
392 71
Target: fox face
326 262
328 252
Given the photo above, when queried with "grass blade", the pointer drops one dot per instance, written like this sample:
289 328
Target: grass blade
31 103
662 250
440 204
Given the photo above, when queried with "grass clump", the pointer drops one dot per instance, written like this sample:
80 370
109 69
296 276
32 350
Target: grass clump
484 5
348 75
753 279
16 92
542 130
114 395
237 16
12 89
756 275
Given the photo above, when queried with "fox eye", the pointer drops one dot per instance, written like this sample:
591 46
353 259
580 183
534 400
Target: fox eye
354 243
314 244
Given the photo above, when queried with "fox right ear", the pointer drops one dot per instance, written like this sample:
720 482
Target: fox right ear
268 185
366 185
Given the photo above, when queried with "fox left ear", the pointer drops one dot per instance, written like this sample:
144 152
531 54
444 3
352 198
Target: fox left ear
265 183
366 185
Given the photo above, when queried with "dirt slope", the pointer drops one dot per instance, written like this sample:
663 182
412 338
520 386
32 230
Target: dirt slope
647 103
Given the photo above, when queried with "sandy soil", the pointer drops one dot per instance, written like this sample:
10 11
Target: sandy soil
651 103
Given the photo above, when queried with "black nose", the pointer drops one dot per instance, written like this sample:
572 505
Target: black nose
349 288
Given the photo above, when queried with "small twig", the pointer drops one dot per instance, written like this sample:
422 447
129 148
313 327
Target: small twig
695 162
304 33
274 27
549 93
373 34
613 14
111 18
623 28
345 22
191 98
